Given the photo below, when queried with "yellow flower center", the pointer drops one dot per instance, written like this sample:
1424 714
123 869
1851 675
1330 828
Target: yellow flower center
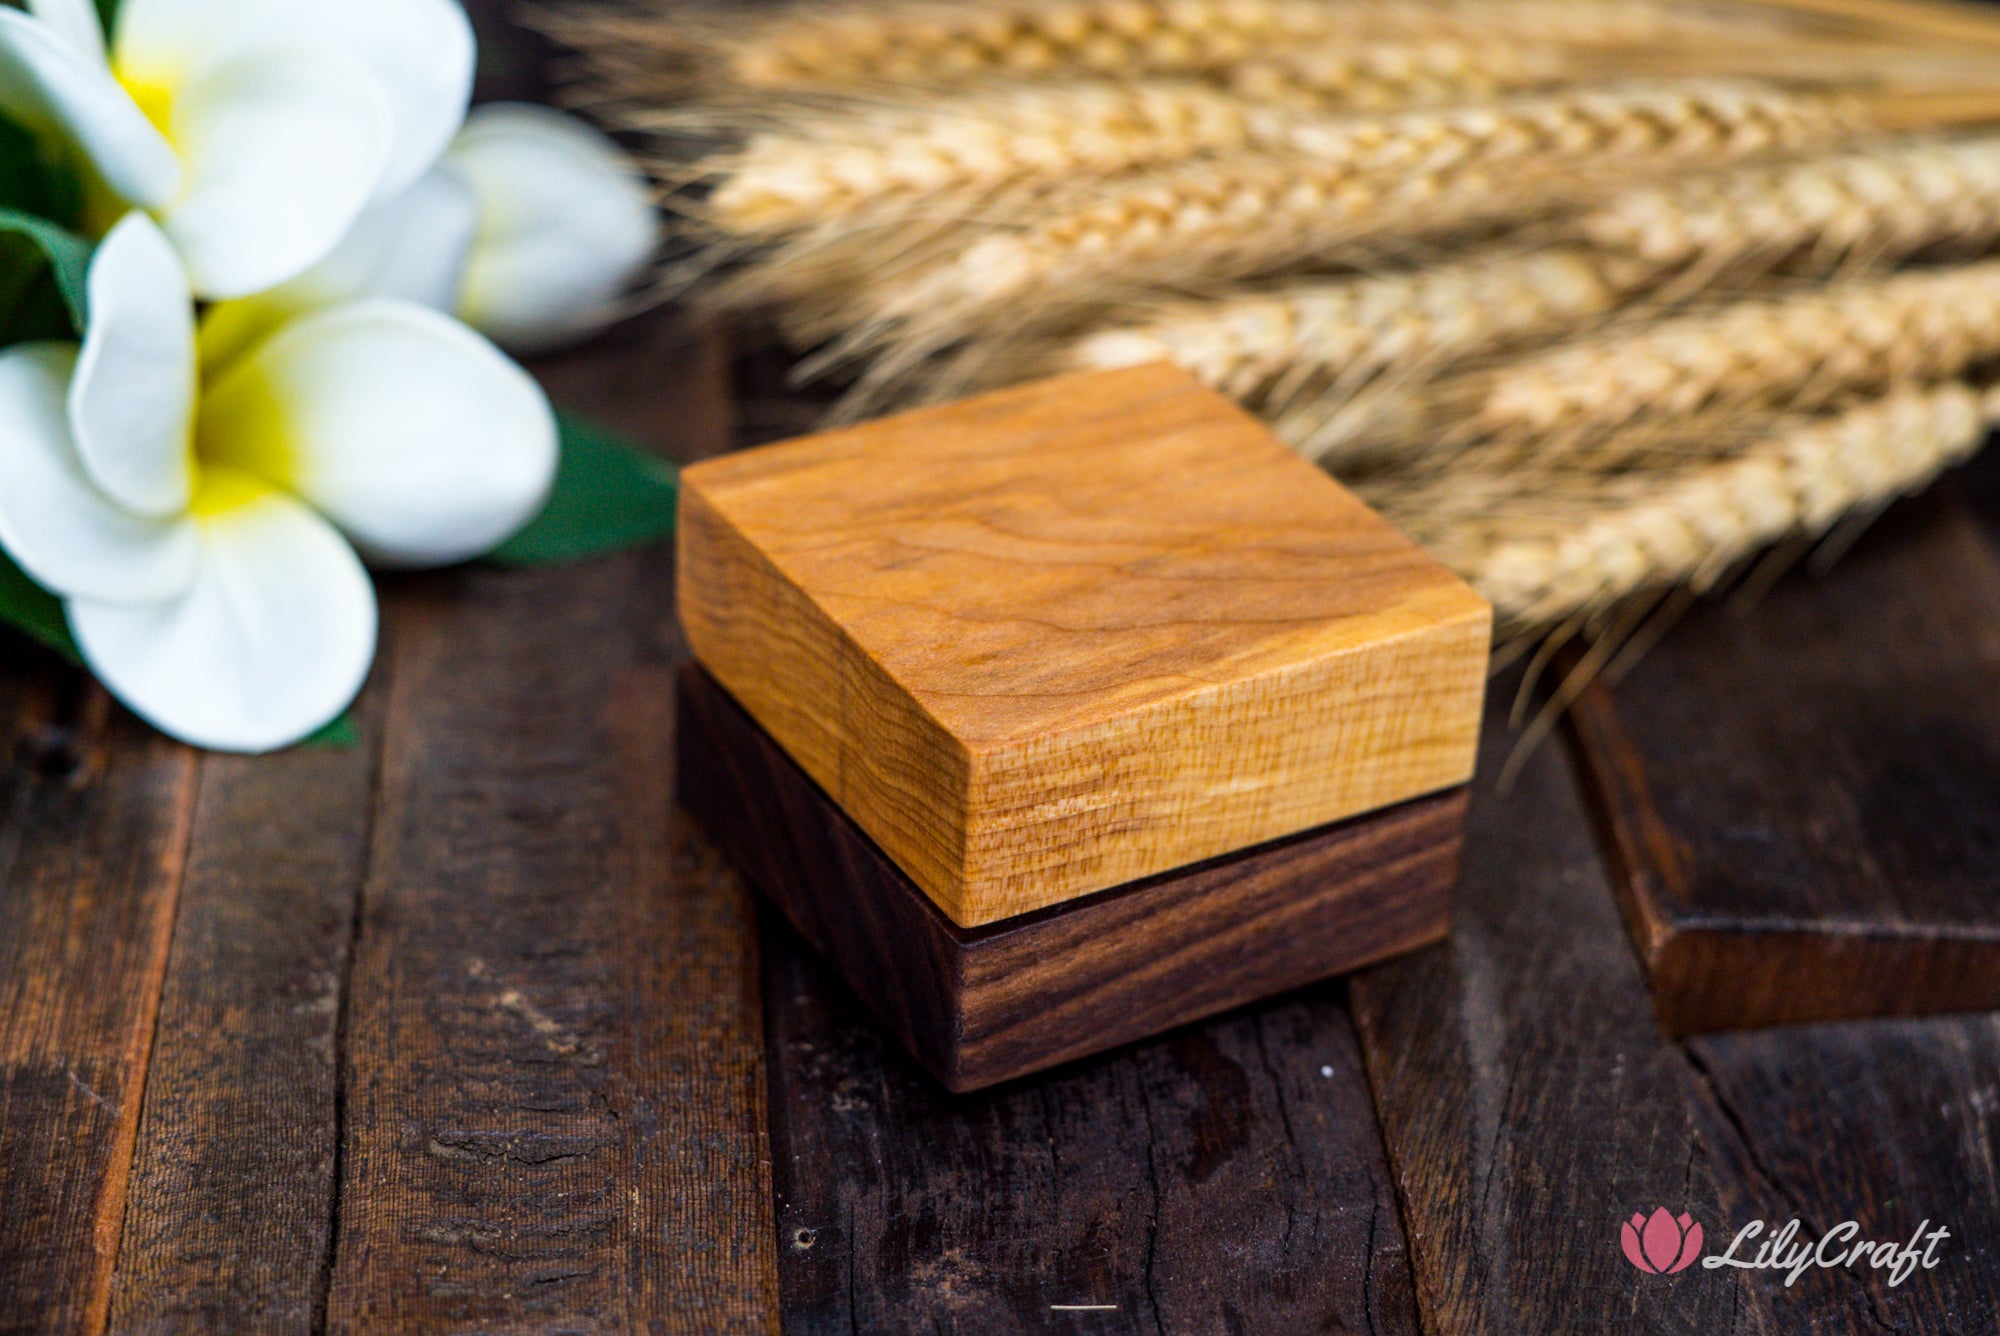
240 427
152 91
219 490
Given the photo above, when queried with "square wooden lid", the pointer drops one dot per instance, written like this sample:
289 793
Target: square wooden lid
1052 640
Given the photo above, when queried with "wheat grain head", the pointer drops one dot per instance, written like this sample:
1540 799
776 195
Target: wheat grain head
1797 351
1546 546
834 161
879 159
656 50
1193 222
1266 347
1877 203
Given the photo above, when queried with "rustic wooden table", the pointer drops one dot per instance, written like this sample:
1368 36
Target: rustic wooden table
462 1029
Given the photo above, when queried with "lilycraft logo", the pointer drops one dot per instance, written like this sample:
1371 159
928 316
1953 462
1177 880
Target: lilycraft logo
1663 1243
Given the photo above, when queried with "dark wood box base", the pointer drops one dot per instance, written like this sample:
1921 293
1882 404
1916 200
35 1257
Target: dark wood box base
982 1005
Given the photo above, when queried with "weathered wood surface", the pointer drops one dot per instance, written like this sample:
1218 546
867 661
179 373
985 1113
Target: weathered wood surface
1800 798
179 1130
1225 1179
1527 1099
1057 639
981 1005
457 1026
1888 1124
230 1213
552 1079
1531 1103
95 813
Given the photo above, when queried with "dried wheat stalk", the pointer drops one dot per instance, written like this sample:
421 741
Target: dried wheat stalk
1383 333
1544 546
881 158
947 231
657 52
1263 347
875 157
1879 203
943 153
1383 76
1339 183
1796 352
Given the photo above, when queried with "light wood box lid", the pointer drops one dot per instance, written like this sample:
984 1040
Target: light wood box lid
1056 639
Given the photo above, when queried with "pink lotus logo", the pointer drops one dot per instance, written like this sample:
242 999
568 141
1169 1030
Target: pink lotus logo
1661 1244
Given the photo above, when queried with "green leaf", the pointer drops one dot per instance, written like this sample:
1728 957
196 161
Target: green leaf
44 265
66 254
28 607
31 305
608 495
337 735
107 14
36 177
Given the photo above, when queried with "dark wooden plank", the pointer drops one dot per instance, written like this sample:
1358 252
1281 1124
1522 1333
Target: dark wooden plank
1799 798
226 1223
1227 1178
660 379
242 1097
513 61
553 1063
769 405
1528 1101
244 1101
94 819
1887 1124
1531 1104
983 1005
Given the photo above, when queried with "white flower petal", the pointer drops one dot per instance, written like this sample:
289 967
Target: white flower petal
76 22
61 529
418 53
409 248
283 151
565 221
413 434
422 54
183 38
49 86
168 33
131 402
270 642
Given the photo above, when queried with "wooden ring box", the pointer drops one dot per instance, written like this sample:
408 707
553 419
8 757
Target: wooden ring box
1061 716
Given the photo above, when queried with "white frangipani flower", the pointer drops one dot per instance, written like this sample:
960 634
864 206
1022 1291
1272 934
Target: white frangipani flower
565 220
256 131
193 526
529 230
